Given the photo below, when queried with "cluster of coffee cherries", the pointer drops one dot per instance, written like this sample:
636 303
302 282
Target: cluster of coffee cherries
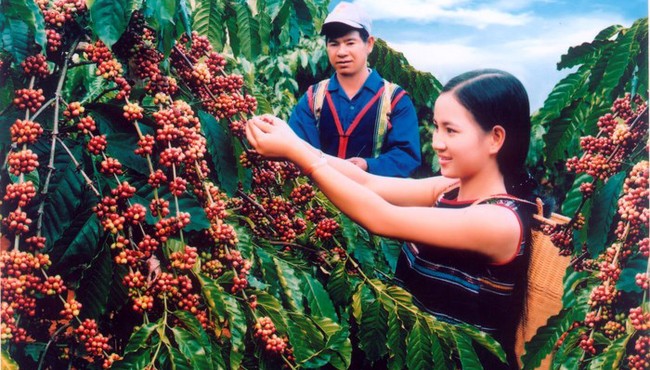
22 284
640 357
108 67
203 71
620 132
59 15
266 333
25 288
633 206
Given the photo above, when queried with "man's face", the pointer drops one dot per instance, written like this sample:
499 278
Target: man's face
348 54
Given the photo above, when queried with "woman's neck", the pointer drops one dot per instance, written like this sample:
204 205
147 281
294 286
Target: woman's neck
481 185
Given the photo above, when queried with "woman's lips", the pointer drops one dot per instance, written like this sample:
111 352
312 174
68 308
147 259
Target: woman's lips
443 160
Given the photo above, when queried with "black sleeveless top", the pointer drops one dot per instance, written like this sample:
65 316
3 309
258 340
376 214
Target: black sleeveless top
459 286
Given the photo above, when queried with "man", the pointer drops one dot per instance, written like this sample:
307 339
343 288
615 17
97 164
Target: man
356 114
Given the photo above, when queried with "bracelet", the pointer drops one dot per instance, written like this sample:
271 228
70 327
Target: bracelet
322 160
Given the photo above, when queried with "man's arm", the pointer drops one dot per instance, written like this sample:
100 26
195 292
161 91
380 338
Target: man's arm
303 122
401 152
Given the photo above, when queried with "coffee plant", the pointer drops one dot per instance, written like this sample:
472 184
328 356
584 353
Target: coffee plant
140 231
598 134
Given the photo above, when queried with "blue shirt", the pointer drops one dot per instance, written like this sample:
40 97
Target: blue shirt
400 153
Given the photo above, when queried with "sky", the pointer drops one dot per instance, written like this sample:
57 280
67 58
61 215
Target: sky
524 37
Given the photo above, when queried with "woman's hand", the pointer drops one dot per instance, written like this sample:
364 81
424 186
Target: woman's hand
272 137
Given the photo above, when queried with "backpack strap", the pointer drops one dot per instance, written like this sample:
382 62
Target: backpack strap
316 97
384 110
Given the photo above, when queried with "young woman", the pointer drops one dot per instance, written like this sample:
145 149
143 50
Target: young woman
464 258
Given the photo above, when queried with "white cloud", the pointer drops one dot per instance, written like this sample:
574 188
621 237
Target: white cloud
445 11
530 53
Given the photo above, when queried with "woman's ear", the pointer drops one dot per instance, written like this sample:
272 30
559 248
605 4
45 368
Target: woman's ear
497 138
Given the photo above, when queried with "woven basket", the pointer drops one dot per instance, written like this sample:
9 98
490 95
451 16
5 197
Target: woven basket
545 285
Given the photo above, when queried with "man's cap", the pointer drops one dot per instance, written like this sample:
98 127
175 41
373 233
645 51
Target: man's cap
349 14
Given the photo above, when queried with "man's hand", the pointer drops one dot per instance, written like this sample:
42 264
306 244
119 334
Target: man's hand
359 162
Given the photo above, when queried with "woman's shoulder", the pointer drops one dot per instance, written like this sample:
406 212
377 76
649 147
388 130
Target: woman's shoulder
441 185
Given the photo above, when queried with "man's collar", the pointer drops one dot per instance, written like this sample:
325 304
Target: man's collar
374 82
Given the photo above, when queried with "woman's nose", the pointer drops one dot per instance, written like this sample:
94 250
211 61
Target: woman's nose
437 143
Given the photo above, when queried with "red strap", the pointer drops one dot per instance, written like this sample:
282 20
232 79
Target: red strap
344 137
396 99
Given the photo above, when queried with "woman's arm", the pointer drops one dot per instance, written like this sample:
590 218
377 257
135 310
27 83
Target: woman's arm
397 191
487 229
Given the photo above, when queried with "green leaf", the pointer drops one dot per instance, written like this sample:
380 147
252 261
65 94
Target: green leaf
614 353
396 341
219 145
405 307
624 53
304 336
248 42
237 330
134 361
212 294
121 146
564 92
172 358
605 205
373 329
357 247
391 249
184 15
193 326
338 341
208 21
191 347
95 285
80 241
289 282
574 196
544 340
338 285
336 348
438 353
569 345
140 336
6 95
418 347
627 280
15 37
22 24
466 353
270 306
360 298
8 363
109 19
609 32
582 54
484 340
319 301
226 308
161 16
110 120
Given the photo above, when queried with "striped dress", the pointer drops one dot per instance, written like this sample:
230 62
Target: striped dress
463 287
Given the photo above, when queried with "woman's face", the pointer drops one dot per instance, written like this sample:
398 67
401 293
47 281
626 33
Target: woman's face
462 146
